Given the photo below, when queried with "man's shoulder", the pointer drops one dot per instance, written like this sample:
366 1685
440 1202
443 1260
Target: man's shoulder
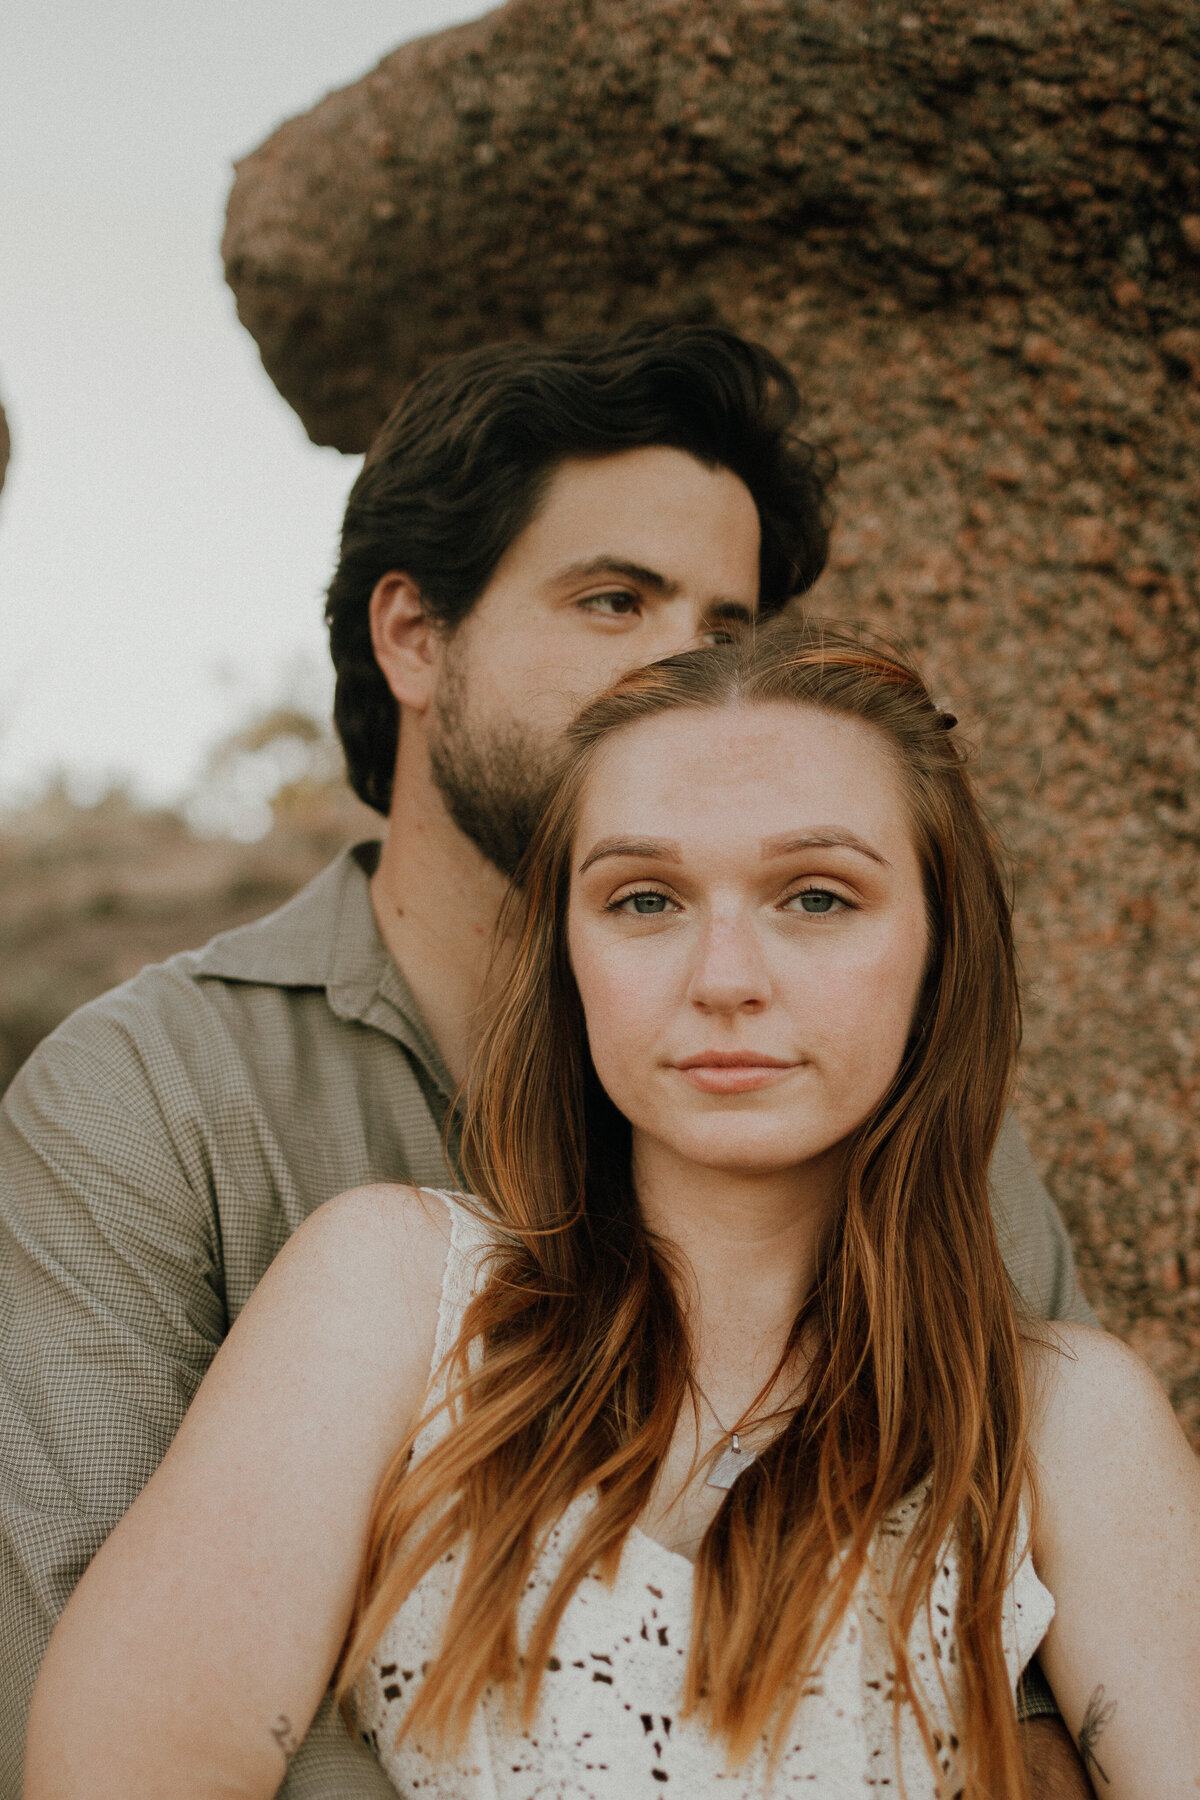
159 1000
173 1011
162 1001
128 1060
304 942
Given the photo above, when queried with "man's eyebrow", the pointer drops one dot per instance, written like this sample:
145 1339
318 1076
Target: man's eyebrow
657 583
822 837
618 565
729 609
662 849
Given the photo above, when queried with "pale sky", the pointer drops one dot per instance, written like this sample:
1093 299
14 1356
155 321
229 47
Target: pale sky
166 528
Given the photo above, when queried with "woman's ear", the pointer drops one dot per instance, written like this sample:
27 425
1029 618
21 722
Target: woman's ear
405 639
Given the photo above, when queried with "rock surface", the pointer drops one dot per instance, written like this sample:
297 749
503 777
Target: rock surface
975 233
560 163
5 446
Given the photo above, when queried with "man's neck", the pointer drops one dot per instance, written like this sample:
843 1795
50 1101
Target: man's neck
436 900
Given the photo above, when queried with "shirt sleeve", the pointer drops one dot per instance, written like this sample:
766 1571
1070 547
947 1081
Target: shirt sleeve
1033 1239
111 1308
331 1765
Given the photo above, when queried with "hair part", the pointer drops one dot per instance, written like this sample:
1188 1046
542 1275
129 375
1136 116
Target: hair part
462 464
573 1361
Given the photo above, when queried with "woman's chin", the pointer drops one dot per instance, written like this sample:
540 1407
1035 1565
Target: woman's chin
752 1155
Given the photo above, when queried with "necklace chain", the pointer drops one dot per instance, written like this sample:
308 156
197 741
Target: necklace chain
726 1467
735 1430
726 1430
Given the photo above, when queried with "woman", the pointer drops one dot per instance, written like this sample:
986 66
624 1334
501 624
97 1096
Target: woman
736 1464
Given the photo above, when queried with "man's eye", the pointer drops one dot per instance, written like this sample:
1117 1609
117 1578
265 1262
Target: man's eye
644 903
728 628
616 604
817 902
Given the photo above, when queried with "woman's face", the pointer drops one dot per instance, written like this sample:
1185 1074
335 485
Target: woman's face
747 928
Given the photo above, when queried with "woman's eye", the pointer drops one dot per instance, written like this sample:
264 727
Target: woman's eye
817 902
645 904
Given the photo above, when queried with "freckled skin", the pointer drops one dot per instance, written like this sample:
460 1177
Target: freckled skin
734 957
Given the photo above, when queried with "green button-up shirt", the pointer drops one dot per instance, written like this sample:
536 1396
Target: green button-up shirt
155 1153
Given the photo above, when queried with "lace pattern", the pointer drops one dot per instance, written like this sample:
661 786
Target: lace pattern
608 1726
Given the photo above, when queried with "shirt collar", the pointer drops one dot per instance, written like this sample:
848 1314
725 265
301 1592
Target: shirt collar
326 937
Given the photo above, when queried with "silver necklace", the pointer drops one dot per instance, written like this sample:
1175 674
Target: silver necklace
731 1462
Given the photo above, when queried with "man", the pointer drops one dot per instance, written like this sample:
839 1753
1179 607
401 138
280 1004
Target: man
528 525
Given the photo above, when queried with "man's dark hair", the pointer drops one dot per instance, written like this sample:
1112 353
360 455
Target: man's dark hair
460 466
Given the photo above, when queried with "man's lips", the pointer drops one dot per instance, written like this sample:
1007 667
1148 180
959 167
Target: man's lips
733 1071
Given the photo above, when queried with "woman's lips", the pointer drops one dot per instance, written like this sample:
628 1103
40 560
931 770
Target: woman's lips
732 1071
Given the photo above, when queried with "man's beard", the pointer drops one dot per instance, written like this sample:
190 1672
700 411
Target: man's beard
493 785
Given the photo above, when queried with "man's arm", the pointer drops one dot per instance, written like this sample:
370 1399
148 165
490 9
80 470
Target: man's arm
111 1309
252 1530
1052 1761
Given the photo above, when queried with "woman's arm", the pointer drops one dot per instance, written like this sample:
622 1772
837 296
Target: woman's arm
1117 1542
196 1649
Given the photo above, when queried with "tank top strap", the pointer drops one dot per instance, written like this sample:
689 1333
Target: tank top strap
471 1238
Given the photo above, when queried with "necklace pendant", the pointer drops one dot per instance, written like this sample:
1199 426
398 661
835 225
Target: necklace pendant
729 1465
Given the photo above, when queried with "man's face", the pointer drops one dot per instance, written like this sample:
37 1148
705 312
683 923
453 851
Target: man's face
630 558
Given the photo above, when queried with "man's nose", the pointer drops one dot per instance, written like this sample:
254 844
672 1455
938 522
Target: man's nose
730 971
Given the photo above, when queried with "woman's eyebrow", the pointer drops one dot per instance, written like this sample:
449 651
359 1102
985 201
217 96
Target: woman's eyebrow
823 837
662 849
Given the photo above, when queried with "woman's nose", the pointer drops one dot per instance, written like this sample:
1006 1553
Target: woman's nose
730 972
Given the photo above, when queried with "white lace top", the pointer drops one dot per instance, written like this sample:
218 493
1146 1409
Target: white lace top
608 1724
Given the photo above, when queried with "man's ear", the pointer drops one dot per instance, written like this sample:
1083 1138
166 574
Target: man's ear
406 641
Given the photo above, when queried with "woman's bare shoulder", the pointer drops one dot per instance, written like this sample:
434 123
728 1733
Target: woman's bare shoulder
1071 1363
365 1269
1092 1397
388 1219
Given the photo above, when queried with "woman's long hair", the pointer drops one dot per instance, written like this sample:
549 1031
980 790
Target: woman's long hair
581 1362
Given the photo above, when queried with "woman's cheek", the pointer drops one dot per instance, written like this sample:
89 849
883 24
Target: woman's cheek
863 1011
623 1021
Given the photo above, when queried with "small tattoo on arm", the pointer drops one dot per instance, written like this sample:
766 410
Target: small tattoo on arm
285 1737
1095 1718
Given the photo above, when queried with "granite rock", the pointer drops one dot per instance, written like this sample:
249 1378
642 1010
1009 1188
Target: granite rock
563 163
